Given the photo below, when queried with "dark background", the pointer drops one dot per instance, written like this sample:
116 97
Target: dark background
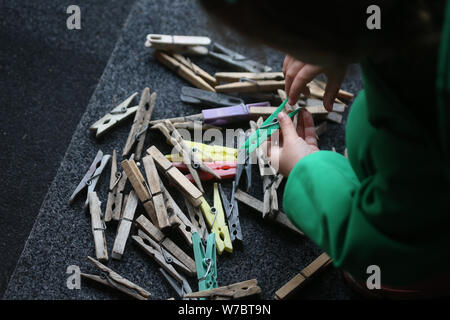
55 84
47 74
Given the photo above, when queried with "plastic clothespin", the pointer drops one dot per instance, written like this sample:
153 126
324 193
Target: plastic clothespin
205 261
266 129
207 98
214 152
232 213
215 218
226 115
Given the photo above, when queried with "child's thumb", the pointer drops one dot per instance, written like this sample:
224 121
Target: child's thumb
287 127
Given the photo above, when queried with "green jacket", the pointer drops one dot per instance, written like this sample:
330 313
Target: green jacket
389 203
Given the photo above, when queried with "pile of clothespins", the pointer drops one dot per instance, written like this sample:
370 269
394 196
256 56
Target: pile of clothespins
208 227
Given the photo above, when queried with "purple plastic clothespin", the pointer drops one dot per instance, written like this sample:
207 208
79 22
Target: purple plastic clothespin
226 115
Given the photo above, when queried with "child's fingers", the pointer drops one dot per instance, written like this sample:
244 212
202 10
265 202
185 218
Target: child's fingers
273 153
330 94
292 71
335 79
303 77
309 129
286 63
287 128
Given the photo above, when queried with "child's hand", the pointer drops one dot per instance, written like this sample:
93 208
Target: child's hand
294 144
298 74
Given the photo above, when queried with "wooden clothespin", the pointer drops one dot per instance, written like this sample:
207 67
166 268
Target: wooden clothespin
197 220
195 125
194 117
238 290
125 226
98 227
342 94
189 155
236 60
258 205
251 86
243 162
117 183
114 280
215 219
265 168
91 177
140 186
205 261
192 193
186 44
315 106
172 135
184 226
207 98
256 76
306 274
165 215
180 288
232 213
195 69
166 260
316 90
269 175
142 189
140 124
115 116
158 236
183 71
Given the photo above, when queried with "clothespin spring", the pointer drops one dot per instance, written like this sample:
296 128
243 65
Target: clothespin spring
140 133
89 181
118 176
120 111
209 262
161 249
274 122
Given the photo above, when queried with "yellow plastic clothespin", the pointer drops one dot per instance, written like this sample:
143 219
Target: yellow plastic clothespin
207 153
215 218
214 151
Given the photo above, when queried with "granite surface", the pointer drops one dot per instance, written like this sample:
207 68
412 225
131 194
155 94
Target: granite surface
62 235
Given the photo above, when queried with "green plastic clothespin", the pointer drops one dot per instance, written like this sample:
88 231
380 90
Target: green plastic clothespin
205 261
266 129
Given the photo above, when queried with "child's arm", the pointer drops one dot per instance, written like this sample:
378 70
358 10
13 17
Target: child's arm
386 219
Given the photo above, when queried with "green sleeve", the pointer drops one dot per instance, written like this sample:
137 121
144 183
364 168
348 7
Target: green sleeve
373 222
